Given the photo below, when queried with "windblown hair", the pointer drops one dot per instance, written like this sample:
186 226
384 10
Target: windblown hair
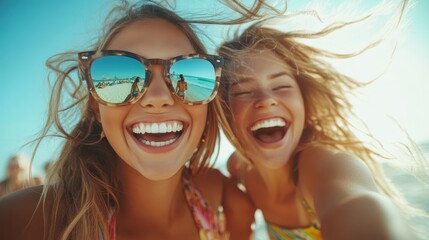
328 111
81 191
323 88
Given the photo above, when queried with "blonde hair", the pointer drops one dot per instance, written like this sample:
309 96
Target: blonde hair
80 185
328 111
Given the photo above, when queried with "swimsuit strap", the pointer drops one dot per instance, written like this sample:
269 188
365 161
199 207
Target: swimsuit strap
311 213
112 226
295 177
210 225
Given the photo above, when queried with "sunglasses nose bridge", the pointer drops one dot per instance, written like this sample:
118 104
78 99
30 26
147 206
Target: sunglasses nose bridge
158 92
159 71
158 65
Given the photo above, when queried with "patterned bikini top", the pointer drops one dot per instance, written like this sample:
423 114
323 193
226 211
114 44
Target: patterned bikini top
211 225
275 232
280 233
307 233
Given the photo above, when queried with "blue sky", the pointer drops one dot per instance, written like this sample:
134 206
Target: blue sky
32 31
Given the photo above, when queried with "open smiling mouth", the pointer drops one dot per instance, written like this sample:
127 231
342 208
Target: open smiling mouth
158 134
269 130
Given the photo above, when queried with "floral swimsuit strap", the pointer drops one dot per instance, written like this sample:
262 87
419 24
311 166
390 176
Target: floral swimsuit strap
210 225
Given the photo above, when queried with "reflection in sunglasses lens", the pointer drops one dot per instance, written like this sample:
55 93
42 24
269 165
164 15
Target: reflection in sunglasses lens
193 79
119 79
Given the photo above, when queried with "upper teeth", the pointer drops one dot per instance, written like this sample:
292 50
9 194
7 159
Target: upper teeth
272 122
158 127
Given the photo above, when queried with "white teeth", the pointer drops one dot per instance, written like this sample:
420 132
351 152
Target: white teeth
267 123
163 127
158 144
159 127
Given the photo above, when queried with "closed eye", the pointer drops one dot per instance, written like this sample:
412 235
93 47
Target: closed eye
238 94
282 87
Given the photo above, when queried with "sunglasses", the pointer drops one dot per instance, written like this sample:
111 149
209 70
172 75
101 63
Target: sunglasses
117 78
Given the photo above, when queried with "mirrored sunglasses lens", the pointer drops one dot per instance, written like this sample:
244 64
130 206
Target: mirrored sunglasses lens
193 79
117 79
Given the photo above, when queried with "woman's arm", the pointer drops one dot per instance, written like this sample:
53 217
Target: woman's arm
346 200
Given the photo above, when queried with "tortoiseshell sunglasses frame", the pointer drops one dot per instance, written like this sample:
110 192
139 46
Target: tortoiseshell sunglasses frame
86 58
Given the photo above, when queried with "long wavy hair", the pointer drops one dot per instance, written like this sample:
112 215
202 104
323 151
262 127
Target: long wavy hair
329 117
81 188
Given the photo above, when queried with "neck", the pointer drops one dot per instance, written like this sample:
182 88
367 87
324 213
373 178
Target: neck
278 182
143 201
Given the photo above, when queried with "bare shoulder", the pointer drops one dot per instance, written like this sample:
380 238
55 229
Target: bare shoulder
317 163
208 177
209 182
328 178
324 155
342 190
236 167
21 215
233 165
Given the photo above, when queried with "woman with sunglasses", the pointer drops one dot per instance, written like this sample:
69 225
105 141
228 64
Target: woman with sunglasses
133 168
297 157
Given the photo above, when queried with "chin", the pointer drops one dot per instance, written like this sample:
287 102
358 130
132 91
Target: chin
159 173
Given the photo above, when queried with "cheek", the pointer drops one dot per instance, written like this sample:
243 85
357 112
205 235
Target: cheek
294 101
239 109
112 118
106 116
300 106
296 105
199 117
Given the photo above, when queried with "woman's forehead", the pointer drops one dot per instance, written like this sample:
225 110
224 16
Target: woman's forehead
152 38
259 63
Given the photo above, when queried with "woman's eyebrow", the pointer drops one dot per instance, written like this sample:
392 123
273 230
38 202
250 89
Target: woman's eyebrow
242 80
279 74
271 76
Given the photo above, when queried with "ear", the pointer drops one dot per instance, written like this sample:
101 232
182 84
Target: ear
93 105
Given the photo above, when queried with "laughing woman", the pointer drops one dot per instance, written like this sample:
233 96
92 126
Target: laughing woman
133 168
297 157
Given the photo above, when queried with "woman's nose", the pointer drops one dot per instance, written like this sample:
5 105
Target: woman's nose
158 94
264 99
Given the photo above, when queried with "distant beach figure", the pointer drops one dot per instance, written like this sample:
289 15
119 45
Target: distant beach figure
134 89
181 87
17 176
